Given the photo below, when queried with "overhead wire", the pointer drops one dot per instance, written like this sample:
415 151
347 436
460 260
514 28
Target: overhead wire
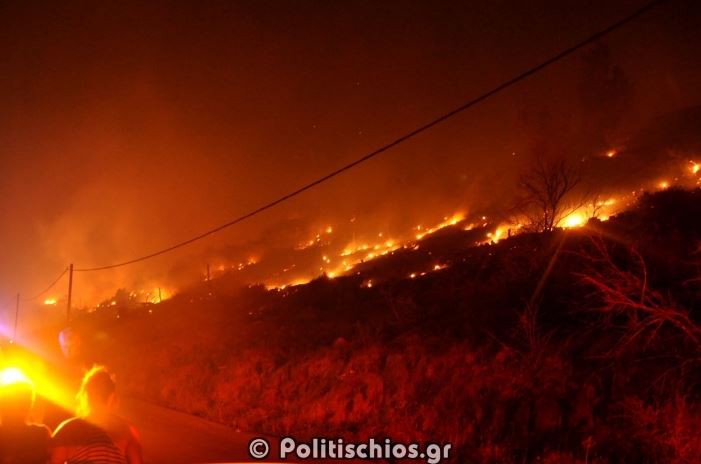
413 133
48 287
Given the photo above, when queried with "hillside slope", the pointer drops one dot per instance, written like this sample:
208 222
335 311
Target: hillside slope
571 346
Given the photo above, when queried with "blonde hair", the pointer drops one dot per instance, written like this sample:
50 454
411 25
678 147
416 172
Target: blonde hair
96 389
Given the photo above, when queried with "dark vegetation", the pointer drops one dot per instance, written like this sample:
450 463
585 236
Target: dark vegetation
564 346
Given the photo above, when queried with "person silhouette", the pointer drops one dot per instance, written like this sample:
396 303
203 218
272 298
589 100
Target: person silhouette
96 434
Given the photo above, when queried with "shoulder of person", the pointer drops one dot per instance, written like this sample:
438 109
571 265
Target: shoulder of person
68 424
70 429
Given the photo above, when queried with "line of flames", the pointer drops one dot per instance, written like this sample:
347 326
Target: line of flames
355 253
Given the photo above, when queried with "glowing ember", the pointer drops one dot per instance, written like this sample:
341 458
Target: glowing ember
447 221
50 301
157 295
695 167
317 240
611 153
499 233
664 185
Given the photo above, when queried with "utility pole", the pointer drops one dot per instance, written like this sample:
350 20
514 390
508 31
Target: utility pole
70 293
208 277
14 335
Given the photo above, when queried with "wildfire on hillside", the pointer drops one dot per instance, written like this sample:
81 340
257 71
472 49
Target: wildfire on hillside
340 248
335 261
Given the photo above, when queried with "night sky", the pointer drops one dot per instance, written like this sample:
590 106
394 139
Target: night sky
127 127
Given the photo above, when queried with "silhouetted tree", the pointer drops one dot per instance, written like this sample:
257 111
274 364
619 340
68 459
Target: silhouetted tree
545 189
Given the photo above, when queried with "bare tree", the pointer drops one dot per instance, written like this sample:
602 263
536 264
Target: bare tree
545 190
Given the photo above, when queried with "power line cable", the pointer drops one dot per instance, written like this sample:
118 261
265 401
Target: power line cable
17 299
519 77
49 287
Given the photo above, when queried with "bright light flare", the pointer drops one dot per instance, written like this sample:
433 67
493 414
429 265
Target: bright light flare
695 167
50 301
611 153
12 376
573 220
30 371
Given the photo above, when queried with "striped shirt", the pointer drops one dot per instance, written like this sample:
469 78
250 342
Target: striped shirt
85 443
